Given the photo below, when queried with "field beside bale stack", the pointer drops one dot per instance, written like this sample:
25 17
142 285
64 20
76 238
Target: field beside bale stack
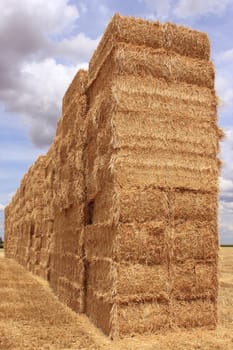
45 322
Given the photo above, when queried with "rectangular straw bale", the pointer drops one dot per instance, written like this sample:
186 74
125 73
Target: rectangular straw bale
73 268
184 171
145 318
99 310
160 63
196 313
200 206
70 294
75 89
206 280
143 243
138 205
104 206
142 61
194 240
132 282
118 320
99 240
136 282
160 88
191 280
182 40
101 274
150 91
72 113
153 131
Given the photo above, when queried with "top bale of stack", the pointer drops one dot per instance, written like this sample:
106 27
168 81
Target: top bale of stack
181 40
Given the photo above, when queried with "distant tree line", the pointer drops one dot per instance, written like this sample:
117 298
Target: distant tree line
1 243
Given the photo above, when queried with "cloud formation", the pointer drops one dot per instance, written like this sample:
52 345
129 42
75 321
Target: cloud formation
40 56
226 188
2 207
158 8
196 8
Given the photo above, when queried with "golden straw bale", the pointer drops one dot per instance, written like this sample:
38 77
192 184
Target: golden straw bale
129 282
194 240
164 89
142 318
68 121
138 282
182 40
101 274
191 280
143 205
99 310
144 61
75 89
71 294
198 206
157 132
185 171
143 243
196 313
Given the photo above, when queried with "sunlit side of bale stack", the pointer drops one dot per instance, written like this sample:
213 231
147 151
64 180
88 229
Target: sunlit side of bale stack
152 179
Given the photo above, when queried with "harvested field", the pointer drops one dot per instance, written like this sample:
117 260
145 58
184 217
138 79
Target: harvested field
31 317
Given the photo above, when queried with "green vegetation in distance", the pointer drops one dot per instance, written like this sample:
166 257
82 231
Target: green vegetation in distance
1 243
226 245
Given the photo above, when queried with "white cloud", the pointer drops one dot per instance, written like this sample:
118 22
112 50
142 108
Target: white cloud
17 153
47 16
75 49
39 95
226 188
226 184
103 10
2 207
34 34
83 7
225 56
224 88
158 8
195 8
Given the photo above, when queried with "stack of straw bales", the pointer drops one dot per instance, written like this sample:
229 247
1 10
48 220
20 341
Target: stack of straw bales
120 216
152 179
44 223
24 218
67 265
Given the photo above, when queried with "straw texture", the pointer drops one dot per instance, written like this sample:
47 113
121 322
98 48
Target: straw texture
151 238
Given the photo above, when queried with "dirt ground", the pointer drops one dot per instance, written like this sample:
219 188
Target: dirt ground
31 317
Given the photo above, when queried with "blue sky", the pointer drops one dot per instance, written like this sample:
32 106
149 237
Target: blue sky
44 42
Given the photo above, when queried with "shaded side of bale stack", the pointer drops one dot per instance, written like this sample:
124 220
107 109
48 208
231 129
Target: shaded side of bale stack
24 219
45 220
151 234
66 174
